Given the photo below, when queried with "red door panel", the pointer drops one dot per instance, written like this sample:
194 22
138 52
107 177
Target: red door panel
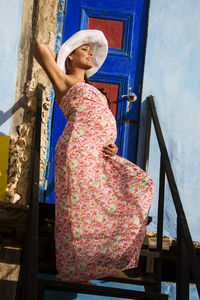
113 30
111 92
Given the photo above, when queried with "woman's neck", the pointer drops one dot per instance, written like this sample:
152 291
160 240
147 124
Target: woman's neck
77 74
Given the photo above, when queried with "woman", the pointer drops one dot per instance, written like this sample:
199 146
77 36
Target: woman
102 200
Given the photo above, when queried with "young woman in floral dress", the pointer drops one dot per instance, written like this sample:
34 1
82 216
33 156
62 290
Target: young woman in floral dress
102 200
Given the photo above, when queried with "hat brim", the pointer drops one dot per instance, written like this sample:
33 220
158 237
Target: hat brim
95 39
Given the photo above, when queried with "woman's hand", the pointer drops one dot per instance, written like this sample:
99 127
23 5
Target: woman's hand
110 150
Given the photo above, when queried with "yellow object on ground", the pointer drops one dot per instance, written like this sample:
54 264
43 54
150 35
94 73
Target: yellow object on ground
4 155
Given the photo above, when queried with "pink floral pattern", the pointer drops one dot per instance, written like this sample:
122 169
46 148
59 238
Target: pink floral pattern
102 204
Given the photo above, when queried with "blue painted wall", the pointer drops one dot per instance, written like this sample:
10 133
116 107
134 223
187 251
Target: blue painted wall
10 23
171 75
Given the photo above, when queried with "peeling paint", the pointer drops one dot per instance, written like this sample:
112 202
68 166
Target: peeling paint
59 28
21 139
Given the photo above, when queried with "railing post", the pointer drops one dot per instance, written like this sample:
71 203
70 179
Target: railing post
147 136
160 225
182 266
40 290
27 287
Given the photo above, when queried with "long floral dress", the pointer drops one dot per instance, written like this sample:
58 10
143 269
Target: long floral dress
102 203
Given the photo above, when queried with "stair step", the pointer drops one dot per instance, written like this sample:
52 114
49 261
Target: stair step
95 290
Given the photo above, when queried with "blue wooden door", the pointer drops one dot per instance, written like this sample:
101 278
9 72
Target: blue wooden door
124 25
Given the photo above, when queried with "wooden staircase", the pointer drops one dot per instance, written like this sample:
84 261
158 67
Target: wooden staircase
39 254
160 260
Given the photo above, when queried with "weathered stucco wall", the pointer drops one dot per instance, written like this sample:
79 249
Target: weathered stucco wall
38 22
171 75
46 30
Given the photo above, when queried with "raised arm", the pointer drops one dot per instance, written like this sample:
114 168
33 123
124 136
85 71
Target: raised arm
47 59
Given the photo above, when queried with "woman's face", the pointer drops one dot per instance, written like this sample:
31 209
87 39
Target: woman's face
82 57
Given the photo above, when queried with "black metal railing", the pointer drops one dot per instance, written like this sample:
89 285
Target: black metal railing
27 285
187 260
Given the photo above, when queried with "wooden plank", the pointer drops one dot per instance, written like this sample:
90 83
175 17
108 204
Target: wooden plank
165 244
132 278
10 212
13 219
97 290
10 256
8 290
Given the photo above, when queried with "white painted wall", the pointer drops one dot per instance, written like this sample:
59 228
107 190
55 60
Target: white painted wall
172 76
10 23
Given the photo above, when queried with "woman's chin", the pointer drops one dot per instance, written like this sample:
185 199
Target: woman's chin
89 66
86 66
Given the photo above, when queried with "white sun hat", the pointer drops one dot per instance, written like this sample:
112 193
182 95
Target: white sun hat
95 39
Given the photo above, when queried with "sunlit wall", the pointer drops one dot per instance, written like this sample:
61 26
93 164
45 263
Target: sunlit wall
172 76
10 23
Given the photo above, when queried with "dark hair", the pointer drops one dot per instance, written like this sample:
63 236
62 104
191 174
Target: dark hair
68 63
68 66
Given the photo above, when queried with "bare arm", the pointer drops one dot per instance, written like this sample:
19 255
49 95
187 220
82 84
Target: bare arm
47 59
53 53
39 51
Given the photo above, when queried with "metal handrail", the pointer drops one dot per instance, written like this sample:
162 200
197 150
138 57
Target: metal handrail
185 247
